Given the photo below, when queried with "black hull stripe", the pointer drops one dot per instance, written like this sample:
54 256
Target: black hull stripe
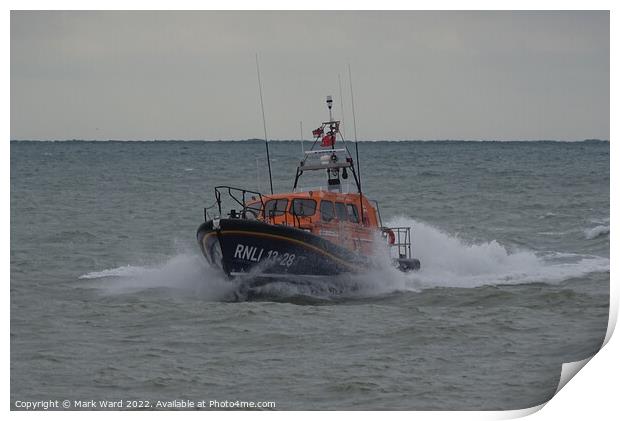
292 240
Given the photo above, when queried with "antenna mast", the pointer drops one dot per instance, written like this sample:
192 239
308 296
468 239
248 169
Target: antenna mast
262 107
301 136
341 108
357 155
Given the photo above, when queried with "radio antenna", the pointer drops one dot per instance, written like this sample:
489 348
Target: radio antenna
262 107
357 155
301 136
341 108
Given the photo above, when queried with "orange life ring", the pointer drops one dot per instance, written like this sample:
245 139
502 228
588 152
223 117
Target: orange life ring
390 236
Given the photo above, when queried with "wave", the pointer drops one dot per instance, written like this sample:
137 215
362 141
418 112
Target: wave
447 261
597 231
549 215
70 236
184 273
115 272
188 273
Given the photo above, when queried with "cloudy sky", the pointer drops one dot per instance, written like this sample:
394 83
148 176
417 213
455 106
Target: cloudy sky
416 75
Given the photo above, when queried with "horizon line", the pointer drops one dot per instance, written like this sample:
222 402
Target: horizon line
310 140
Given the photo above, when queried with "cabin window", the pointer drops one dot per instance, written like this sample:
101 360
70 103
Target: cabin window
353 215
303 207
275 207
341 211
327 210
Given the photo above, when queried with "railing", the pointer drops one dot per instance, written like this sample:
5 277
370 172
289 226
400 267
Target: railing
402 240
344 187
239 196
324 151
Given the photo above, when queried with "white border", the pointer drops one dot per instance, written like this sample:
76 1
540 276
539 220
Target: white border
592 394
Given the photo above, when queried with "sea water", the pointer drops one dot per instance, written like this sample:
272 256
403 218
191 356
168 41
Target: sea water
112 300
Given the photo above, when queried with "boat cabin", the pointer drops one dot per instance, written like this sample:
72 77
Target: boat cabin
305 209
336 216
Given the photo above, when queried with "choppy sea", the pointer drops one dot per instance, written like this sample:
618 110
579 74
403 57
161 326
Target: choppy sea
111 299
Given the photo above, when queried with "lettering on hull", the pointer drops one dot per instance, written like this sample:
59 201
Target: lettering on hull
255 254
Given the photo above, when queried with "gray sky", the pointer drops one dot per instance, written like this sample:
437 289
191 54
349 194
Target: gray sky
416 75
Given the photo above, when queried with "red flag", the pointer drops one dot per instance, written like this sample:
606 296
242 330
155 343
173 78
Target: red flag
317 132
328 140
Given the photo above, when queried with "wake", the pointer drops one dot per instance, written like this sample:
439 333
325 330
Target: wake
447 261
184 273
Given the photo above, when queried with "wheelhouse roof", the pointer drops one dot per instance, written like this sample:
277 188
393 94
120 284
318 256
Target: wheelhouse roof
313 194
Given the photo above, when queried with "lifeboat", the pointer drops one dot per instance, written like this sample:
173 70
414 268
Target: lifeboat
321 231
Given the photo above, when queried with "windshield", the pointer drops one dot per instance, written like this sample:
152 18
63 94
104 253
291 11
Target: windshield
275 207
353 215
303 207
327 210
341 211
